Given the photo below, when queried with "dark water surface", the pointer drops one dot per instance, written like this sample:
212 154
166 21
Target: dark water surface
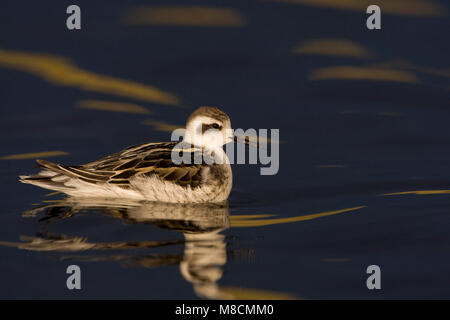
364 159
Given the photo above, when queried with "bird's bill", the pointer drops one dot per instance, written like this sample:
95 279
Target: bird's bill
242 139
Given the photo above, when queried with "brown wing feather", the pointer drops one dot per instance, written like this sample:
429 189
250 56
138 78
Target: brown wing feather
147 160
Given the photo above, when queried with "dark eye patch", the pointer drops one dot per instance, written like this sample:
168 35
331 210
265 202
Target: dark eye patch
206 127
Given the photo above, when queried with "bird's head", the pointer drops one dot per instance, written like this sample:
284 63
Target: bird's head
209 128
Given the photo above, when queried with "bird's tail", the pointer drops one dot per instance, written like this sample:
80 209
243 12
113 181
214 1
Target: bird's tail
52 177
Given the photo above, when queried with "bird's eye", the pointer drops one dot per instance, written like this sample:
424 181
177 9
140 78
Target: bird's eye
206 127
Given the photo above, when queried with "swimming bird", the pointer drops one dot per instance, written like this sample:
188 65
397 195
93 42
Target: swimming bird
148 172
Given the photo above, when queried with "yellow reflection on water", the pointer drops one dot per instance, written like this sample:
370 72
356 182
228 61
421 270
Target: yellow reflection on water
239 293
192 16
399 7
363 73
34 155
112 106
333 47
61 71
406 65
419 192
237 222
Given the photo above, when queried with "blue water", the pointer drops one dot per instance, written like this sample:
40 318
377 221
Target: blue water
345 144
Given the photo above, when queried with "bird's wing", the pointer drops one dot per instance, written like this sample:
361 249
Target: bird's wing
146 159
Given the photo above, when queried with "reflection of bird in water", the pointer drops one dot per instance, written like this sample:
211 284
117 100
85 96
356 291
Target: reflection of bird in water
204 256
205 248
148 172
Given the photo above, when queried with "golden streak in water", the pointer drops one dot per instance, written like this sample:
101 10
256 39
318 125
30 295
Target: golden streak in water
34 155
398 7
190 16
161 126
245 223
112 106
75 244
61 71
419 192
363 73
238 293
406 65
333 47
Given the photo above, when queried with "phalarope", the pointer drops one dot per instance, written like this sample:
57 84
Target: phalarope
147 172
